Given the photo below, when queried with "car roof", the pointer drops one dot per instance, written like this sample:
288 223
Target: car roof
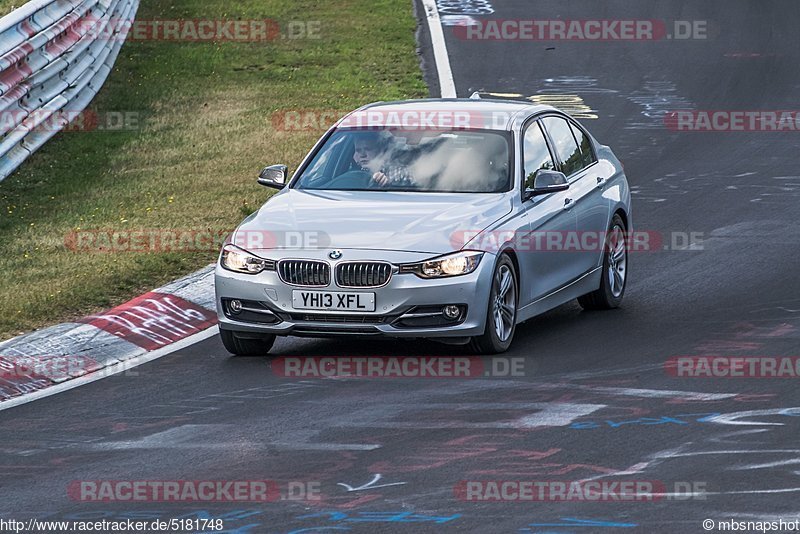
466 112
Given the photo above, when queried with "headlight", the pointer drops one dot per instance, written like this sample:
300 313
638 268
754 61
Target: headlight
240 261
452 265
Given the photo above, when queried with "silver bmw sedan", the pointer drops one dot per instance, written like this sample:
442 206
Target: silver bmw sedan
448 219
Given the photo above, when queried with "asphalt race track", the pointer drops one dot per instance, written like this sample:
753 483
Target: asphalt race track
595 401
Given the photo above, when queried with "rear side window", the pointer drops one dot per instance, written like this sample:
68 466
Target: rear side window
566 147
535 152
584 144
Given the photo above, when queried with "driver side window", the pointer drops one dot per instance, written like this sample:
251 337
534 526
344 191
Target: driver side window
535 153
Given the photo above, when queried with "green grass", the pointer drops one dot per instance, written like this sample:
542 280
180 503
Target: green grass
205 132
7 6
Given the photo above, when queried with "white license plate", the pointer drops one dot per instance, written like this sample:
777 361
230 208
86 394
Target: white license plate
333 301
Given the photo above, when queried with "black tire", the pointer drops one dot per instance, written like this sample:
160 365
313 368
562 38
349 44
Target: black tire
608 296
246 346
490 342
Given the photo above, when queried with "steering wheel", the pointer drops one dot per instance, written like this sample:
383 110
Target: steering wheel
356 179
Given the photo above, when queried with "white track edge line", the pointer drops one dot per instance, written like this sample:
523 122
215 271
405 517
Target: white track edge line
447 86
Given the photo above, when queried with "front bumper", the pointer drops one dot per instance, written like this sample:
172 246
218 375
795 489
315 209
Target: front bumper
405 293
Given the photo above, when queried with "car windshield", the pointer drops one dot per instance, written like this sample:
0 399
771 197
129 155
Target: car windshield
459 161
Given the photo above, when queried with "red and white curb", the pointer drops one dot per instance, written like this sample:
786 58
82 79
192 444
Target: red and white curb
68 355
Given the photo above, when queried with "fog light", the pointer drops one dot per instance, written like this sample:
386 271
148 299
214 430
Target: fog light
236 307
451 312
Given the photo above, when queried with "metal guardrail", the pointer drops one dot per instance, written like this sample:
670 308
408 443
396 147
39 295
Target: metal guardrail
55 56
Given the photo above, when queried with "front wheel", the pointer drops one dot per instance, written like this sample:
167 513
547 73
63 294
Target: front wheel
246 346
501 318
615 271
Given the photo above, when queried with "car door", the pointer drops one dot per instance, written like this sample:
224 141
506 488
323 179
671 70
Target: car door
578 162
550 218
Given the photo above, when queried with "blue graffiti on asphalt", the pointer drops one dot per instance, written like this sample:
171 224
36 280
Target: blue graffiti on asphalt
647 421
572 522
380 517
317 529
369 517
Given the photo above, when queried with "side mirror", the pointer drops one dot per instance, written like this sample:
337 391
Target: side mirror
274 176
546 181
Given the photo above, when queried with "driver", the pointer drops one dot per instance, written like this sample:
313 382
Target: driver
373 153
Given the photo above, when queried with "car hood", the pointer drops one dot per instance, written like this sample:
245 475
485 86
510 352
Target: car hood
376 220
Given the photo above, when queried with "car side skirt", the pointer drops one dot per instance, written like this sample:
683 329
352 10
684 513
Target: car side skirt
581 286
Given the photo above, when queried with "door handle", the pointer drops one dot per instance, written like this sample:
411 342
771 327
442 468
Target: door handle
568 203
601 182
